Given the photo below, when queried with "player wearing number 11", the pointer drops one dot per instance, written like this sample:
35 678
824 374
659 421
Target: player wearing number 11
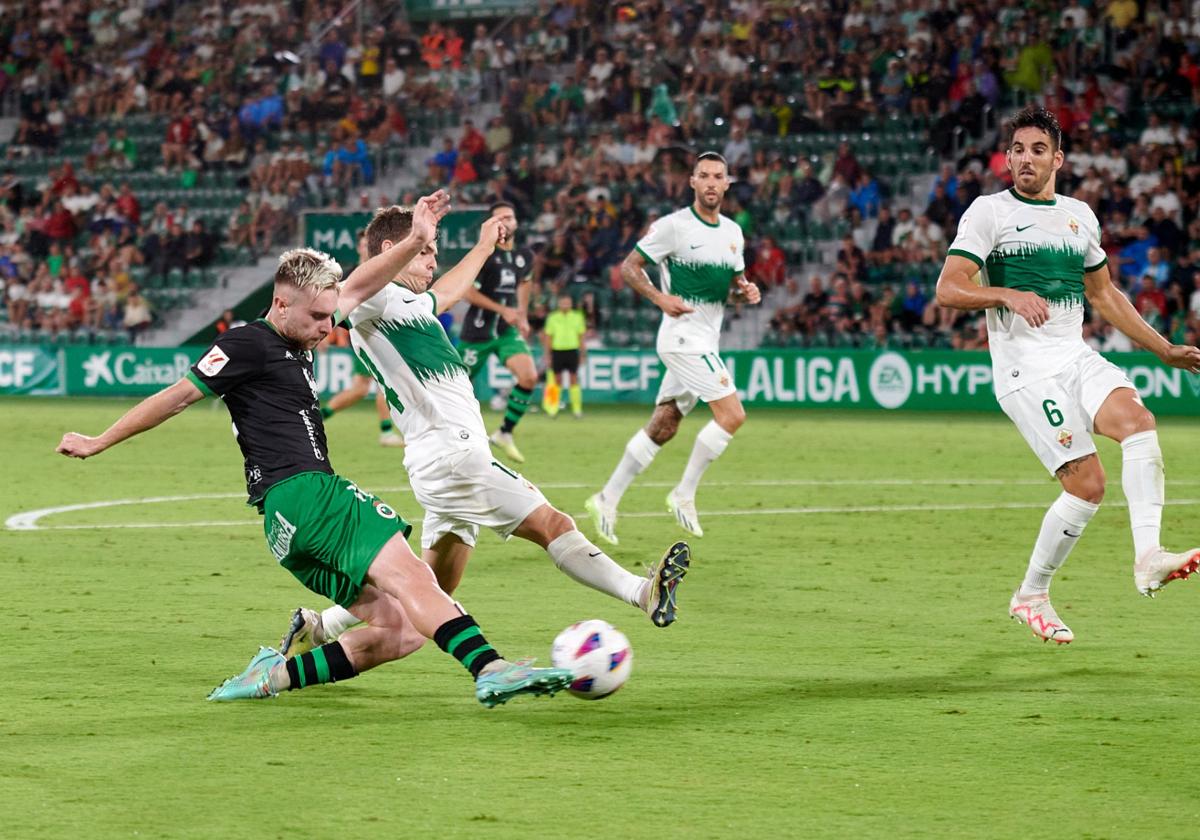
1038 256
450 466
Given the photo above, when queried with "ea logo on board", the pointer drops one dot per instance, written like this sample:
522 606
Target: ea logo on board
890 380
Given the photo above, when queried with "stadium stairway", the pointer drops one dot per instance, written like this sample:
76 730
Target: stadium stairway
238 282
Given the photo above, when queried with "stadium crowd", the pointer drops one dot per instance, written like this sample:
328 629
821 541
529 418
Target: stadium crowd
584 116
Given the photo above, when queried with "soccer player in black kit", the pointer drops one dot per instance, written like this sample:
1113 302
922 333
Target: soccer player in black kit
337 539
497 322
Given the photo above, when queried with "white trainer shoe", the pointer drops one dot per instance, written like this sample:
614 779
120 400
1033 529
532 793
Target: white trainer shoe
1036 611
684 511
604 517
390 439
303 634
504 442
1155 569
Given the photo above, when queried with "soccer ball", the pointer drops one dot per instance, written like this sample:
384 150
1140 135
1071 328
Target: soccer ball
597 653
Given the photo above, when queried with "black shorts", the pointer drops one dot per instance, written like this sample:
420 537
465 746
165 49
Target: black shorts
564 361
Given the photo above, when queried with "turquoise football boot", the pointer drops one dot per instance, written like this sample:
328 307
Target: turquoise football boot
252 683
499 686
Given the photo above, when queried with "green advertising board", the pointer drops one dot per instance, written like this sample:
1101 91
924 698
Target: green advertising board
30 370
334 233
922 381
462 9
140 371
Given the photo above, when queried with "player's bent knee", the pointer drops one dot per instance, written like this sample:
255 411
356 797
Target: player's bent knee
545 525
1084 479
732 419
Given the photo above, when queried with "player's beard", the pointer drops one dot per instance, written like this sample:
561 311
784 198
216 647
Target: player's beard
1036 186
711 205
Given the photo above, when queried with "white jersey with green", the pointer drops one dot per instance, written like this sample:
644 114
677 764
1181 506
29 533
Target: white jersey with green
397 335
698 262
1044 247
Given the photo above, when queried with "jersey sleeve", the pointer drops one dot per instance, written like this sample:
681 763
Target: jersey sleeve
658 241
1096 258
372 308
976 233
233 358
524 263
739 257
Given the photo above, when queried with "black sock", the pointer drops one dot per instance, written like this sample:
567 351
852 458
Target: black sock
385 426
328 663
518 404
461 638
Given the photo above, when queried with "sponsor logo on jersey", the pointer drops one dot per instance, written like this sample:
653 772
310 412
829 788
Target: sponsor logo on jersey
279 536
213 361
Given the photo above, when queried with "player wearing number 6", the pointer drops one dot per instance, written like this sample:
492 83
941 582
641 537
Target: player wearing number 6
1037 256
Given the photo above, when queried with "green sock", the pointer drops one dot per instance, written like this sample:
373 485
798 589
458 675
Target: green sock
326 412
385 426
576 395
518 404
327 663
461 638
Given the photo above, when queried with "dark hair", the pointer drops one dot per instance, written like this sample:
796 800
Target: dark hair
717 156
500 204
390 224
1035 116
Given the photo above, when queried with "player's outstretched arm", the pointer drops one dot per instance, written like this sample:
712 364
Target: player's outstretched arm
366 280
144 416
957 290
1115 308
633 272
455 283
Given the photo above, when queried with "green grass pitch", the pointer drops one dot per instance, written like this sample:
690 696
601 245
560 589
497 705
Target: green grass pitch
843 665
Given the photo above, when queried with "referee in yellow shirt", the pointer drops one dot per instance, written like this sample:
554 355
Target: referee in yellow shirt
562 342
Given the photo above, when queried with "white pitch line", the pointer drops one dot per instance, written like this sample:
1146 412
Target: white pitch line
791 511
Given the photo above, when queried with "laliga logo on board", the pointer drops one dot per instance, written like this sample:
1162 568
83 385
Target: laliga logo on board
890 380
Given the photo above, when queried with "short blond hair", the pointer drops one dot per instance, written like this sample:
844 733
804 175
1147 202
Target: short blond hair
307 268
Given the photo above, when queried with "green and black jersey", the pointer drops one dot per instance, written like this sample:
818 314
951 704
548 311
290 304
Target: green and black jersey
498 280
269 388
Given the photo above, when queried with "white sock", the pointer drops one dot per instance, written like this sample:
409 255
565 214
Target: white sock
335 621
639 452
1061 528
710 443
582 561
1142 481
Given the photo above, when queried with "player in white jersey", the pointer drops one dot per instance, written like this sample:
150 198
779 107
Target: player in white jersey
699 253
450 467
1037 255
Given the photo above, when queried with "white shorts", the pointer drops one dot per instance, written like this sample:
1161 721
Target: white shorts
1056 415
691 377
467 490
